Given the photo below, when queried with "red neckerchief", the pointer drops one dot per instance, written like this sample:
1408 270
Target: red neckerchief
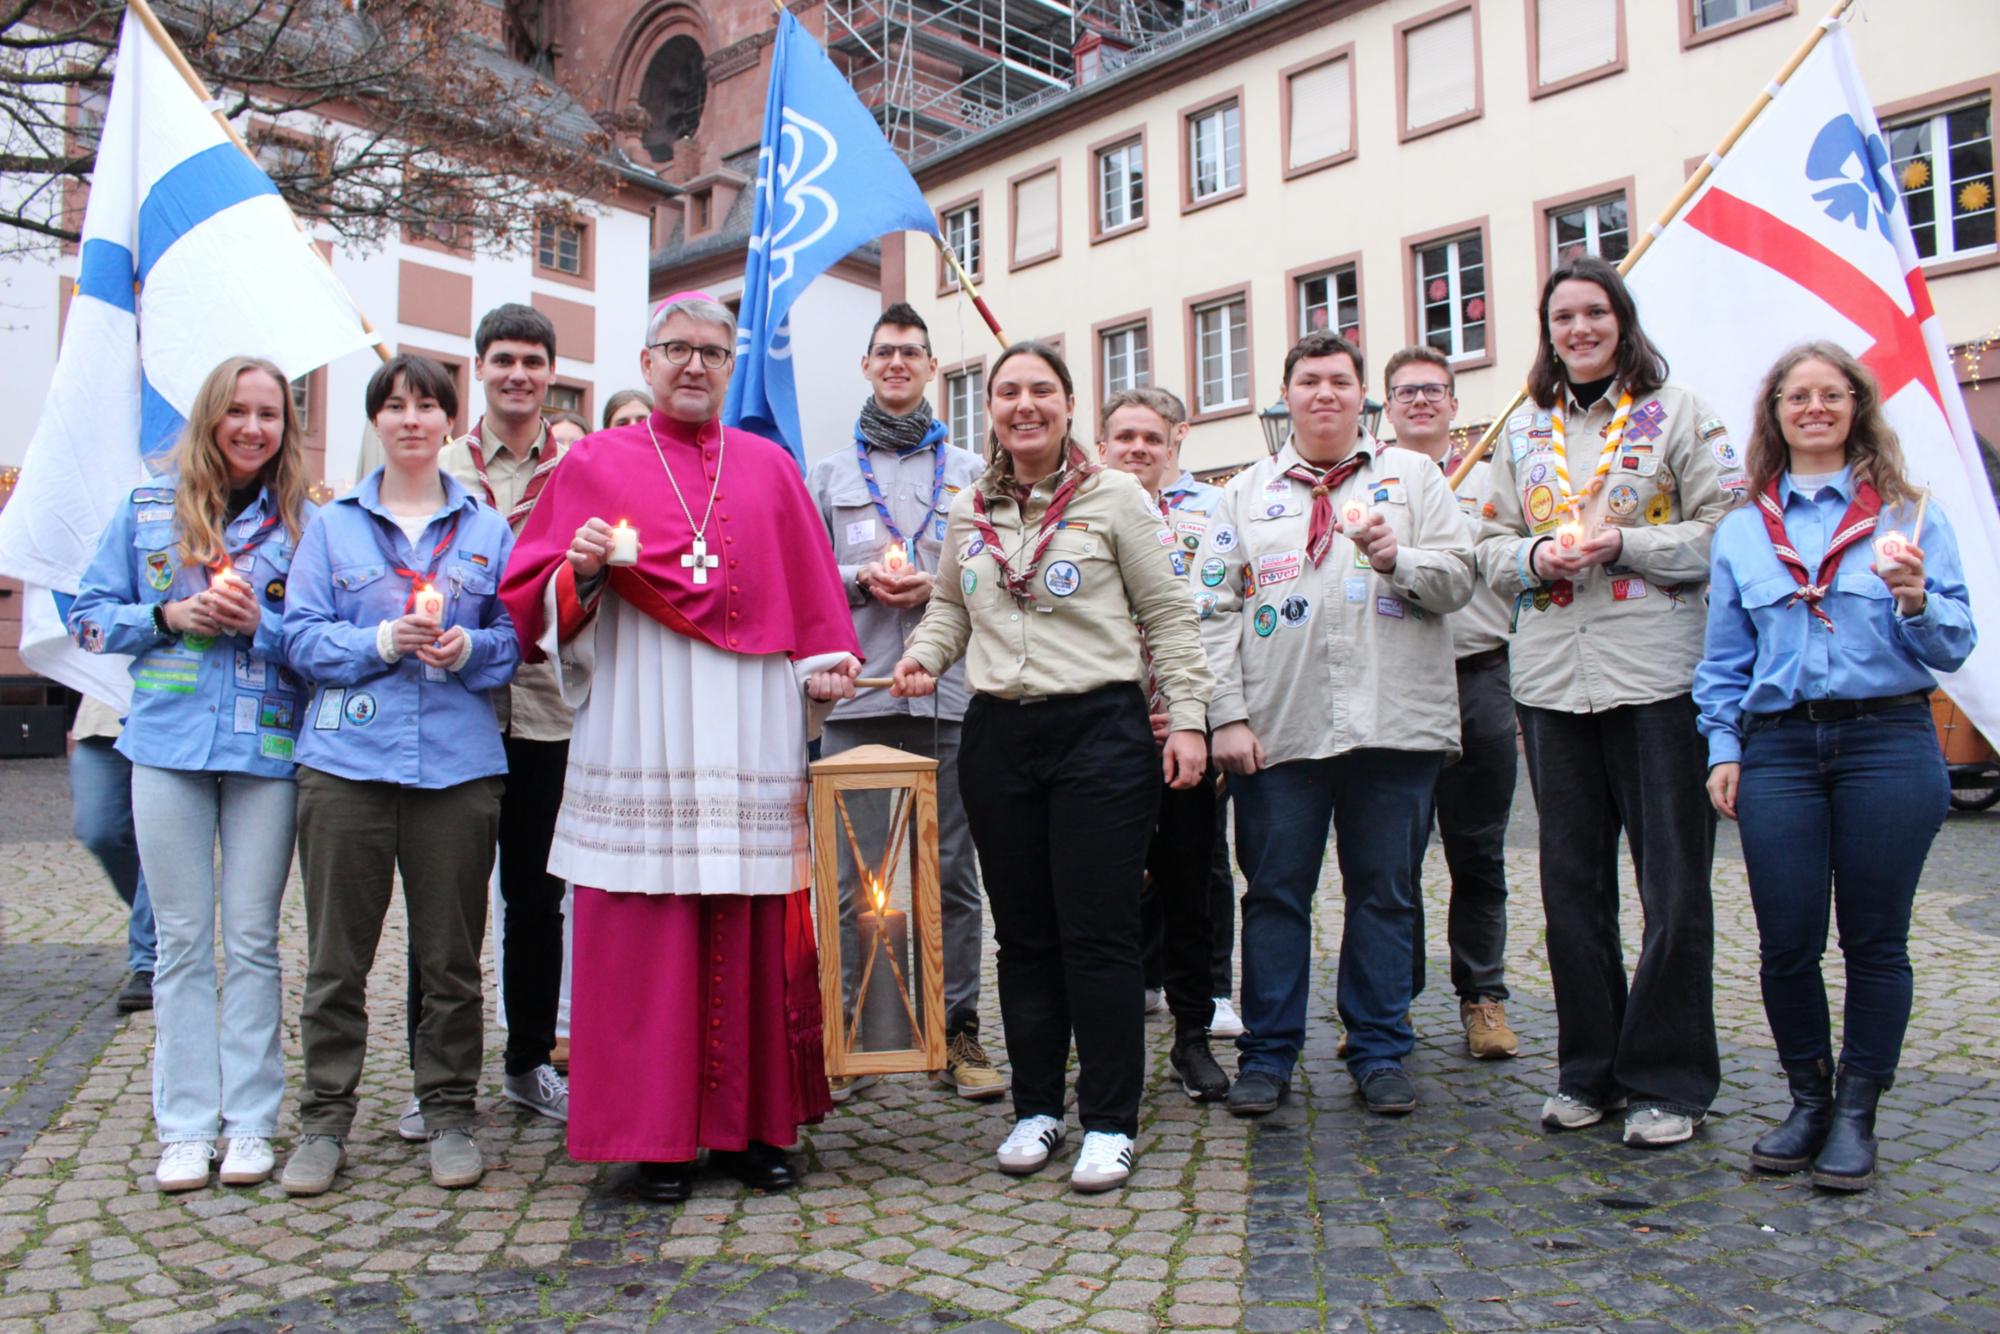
538 479
1017 581
1319 537
1859 521
426 576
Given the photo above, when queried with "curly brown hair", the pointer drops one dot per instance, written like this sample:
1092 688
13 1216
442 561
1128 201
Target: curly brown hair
1873 451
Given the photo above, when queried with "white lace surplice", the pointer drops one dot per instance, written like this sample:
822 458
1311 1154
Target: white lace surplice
687 765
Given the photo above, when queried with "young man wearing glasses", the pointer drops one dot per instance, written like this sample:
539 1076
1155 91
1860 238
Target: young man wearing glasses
1474 795
884 499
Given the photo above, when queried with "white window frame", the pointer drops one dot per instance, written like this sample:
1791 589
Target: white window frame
549 236
1739 9
1131 345
1226 158
965 235
1593 241
1943 186
1121 174
1455 296
1215 341
1332 276
965 405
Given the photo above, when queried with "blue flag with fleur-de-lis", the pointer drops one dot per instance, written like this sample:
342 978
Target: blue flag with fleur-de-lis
827 184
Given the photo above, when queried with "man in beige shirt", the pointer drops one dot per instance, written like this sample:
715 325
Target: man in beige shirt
1474 796
505 460
1324 582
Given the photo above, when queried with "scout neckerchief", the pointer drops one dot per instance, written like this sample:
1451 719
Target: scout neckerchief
1856 524
1017 581
429 574
257 538
1319 537
1613 438
934 439
538 479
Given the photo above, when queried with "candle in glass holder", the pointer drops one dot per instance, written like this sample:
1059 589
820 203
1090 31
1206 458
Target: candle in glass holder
893 560
884 934
429 602
1569 536
624 545
1354 515
1889 548
222 578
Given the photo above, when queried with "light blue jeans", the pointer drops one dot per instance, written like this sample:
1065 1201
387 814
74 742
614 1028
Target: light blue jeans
211 1076
100 794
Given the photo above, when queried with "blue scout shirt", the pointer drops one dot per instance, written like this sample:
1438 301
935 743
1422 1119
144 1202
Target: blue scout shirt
219 704
1766 653
408 723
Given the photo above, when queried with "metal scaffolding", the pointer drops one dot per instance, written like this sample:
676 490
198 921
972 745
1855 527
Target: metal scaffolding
936 70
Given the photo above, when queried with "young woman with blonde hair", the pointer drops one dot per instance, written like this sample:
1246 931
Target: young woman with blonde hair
1820 742
190 581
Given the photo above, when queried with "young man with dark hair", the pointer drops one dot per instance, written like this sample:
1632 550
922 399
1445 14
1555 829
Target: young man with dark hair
506 460
884 503
1473 797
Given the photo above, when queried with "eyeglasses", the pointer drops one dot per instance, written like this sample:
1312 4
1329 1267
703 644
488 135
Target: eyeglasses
1410 393
1828 398
907 351
677 353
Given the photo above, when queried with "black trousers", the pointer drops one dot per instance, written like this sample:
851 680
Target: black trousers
1176 914
1062 796
1640 769
531 944
1473 799
1221 902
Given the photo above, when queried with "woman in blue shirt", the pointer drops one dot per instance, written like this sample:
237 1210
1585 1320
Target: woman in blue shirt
190 580
394 618
1814 695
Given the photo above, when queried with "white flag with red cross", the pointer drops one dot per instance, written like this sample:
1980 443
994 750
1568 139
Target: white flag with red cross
1801 233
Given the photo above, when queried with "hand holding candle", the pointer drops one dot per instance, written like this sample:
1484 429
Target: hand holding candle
230 603
894 560
429 603
624 545
1354 515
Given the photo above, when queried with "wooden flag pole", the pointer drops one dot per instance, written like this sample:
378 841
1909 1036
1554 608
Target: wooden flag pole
1687 192
151 22
965 285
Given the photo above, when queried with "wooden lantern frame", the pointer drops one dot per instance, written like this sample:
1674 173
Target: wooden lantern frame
913 823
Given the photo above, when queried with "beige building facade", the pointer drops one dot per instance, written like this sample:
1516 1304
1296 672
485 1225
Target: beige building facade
1404 171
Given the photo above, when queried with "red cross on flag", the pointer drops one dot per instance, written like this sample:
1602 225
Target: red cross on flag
1798 234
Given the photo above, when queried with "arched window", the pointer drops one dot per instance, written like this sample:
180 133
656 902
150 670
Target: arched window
675 87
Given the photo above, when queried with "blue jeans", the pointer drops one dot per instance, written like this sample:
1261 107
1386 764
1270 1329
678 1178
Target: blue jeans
215 1068
100 798
1375 802
1839 816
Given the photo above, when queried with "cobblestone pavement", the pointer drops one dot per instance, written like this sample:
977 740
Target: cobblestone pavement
1463 1216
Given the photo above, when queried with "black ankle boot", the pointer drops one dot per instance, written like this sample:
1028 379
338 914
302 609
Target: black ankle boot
1847 1161
1790 1146
1203 1079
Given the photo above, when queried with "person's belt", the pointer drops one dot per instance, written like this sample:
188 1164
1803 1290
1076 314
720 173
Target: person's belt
1479 662
1840 710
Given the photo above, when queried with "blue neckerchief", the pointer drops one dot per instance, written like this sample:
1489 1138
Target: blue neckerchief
933 439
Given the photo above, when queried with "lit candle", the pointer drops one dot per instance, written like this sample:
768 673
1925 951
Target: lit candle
893 559
225 576
624 545
1354 514
1889 548
429 603
1569 536
885 1023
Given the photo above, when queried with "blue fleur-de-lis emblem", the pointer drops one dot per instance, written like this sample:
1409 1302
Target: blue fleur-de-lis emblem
1858 164
797 211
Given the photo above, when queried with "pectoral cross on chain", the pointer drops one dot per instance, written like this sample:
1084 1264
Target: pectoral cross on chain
700 561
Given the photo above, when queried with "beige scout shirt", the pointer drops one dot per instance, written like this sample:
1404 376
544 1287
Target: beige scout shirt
1630 632
531 708
1481 625
1324 659
1111 560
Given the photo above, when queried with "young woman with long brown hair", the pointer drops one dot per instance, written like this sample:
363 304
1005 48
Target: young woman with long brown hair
1820 742
190 580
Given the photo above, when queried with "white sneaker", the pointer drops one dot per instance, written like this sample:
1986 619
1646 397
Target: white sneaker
540 1090
1156 1000
1225 1022
1028 1147
410 1125
184 1165
1656 1128
250 1160
1562 1112
1104 1161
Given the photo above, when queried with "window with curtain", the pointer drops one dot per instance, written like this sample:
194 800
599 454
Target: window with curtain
1330 301
1943 163
1596 227
1451 296
1121 185
1215 151
1222 355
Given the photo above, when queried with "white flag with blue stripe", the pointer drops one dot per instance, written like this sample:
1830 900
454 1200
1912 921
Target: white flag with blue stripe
827 184
188 256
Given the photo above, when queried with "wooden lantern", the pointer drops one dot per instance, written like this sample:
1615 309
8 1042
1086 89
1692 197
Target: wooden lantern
884 1005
